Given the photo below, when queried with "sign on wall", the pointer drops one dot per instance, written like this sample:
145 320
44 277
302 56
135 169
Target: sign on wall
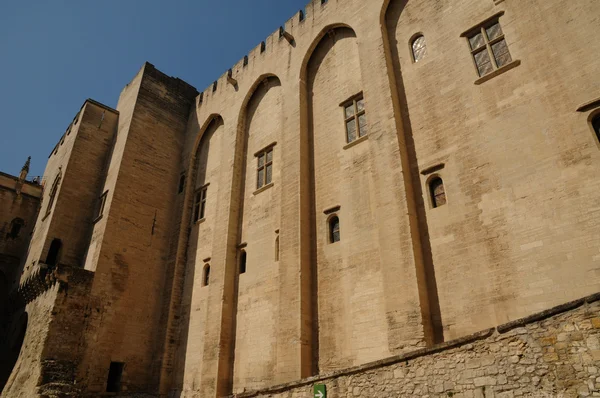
320 391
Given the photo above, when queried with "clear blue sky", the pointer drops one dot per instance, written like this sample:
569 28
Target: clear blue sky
55 54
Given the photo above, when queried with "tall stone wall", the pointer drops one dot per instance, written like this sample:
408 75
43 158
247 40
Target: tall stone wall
516 234
131 243
405 275
551 354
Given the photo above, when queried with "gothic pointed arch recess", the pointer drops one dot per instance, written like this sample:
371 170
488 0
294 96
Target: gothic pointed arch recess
260 130
197 242
335 176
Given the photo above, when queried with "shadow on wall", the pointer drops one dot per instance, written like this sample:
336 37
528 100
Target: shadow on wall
196 179
10 346
428 286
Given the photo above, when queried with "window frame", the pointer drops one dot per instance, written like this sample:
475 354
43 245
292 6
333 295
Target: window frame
206 275
199 205
481 28
331 231
243 256
353 101
52 195
411 43
262 169
432 196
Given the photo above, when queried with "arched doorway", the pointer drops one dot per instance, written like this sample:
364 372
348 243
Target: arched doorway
54 252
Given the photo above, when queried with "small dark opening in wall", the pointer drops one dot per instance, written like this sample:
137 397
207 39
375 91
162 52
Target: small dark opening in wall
438 192
596 126
334 229
113 384
15 227
206 275
215 84
181 182
263 47
243 262
301 16
323 1
245 60
54 252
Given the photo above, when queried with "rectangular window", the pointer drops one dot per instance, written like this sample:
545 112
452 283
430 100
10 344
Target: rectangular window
200 203
488 47
264 170
100 206
355 119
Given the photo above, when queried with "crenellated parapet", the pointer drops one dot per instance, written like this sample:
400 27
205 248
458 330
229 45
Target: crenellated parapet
283 37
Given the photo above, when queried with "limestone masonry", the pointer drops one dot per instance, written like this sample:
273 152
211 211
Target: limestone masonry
385 198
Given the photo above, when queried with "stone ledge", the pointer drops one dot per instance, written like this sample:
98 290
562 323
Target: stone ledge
559 309
372 365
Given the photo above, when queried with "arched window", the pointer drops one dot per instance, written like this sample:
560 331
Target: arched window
418 47
53 192
437 191
54 252
206 276
334 229
243 262
15 227
277 248
596 125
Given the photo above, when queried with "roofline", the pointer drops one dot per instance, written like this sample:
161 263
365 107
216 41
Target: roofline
101 105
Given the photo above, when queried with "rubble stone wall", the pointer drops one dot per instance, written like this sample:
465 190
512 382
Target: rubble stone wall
555 353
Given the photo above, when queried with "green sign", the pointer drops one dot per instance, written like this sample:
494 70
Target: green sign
320 391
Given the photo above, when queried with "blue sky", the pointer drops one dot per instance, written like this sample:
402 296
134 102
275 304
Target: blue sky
55 54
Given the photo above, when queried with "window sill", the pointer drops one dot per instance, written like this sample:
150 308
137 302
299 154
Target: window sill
259 190
357 141
497 72
200 221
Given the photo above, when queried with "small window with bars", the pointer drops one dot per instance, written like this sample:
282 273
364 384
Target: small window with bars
200 203
438 192
488 47
355 118
334 229
264 169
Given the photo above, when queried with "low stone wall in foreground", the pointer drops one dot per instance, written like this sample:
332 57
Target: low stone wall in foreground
555 353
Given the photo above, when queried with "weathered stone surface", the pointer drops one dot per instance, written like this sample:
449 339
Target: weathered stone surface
516 242
547 377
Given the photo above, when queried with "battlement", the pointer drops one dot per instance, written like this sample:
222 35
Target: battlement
284 35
